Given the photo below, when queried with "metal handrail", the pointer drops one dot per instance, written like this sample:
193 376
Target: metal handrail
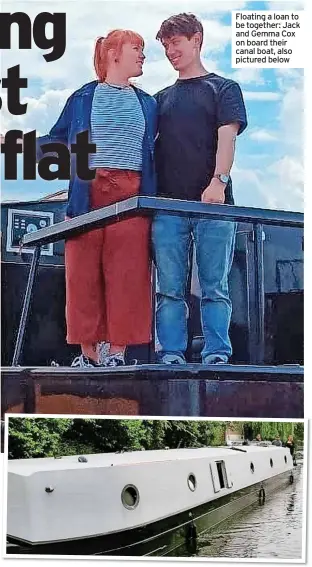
148 206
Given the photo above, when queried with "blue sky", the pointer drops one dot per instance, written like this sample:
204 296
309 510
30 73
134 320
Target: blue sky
268 169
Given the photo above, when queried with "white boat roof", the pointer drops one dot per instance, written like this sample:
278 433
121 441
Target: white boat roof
29 466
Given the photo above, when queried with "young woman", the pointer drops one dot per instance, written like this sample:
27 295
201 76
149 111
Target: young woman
108 278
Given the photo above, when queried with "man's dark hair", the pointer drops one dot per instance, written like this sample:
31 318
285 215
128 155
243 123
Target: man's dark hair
181 24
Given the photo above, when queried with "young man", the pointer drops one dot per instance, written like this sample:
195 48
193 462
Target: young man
200 116
277 441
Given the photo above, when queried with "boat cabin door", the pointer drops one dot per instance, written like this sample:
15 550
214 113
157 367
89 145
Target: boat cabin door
221 477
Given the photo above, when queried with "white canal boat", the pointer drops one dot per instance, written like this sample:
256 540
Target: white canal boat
135 503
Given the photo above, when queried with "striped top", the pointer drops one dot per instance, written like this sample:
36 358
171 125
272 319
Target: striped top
117 128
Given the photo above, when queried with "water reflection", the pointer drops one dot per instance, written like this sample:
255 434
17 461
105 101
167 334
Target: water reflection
272 530
291 503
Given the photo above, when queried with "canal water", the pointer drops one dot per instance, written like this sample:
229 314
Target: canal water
270 531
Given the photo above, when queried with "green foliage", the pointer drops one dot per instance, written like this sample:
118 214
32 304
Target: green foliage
36 437
101 435
299 432
45 437
155 433
268 430
29 437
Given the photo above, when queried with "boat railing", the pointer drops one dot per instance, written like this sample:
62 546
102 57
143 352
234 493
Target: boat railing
257 217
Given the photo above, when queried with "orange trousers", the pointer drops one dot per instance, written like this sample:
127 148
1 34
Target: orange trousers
108 271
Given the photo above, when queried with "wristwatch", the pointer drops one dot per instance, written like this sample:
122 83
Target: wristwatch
222 177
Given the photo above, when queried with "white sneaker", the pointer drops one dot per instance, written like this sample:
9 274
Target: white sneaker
83 361
117 359
172 359
103 350
215 359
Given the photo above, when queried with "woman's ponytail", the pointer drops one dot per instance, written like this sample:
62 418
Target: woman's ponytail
100 59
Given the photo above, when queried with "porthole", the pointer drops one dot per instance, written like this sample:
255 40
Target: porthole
130 497
252 467
285 458
271 462
191 482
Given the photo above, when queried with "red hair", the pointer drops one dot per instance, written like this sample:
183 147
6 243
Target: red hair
114 40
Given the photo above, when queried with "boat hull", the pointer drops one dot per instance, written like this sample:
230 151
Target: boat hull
192 390
164 536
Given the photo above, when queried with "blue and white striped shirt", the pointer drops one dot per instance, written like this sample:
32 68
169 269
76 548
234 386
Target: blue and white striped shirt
117 128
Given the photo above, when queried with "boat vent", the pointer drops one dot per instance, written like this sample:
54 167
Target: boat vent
285 458
82 460
271 462
252 467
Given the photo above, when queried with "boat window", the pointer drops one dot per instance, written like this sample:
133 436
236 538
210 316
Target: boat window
271 462
285 458
191 482
130 496
252 467
220 469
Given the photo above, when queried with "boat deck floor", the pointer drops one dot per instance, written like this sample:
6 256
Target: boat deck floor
159 390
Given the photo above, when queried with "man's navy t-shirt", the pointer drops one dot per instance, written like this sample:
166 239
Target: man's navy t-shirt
190 113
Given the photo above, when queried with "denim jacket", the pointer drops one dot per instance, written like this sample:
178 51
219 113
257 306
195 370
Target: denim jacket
75 118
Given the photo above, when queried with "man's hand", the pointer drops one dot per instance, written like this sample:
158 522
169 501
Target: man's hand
214 193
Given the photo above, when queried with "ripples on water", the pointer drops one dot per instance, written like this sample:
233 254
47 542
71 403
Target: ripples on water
270 531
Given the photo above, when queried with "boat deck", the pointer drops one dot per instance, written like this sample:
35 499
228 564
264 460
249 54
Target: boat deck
28 466
237 390
156 390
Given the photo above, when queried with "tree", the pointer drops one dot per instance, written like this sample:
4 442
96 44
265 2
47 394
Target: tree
35 437
105 435
45 437
269 429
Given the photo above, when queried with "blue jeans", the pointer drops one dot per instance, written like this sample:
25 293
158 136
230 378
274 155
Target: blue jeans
214 243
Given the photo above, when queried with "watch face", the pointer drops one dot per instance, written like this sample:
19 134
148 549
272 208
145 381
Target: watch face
224 178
